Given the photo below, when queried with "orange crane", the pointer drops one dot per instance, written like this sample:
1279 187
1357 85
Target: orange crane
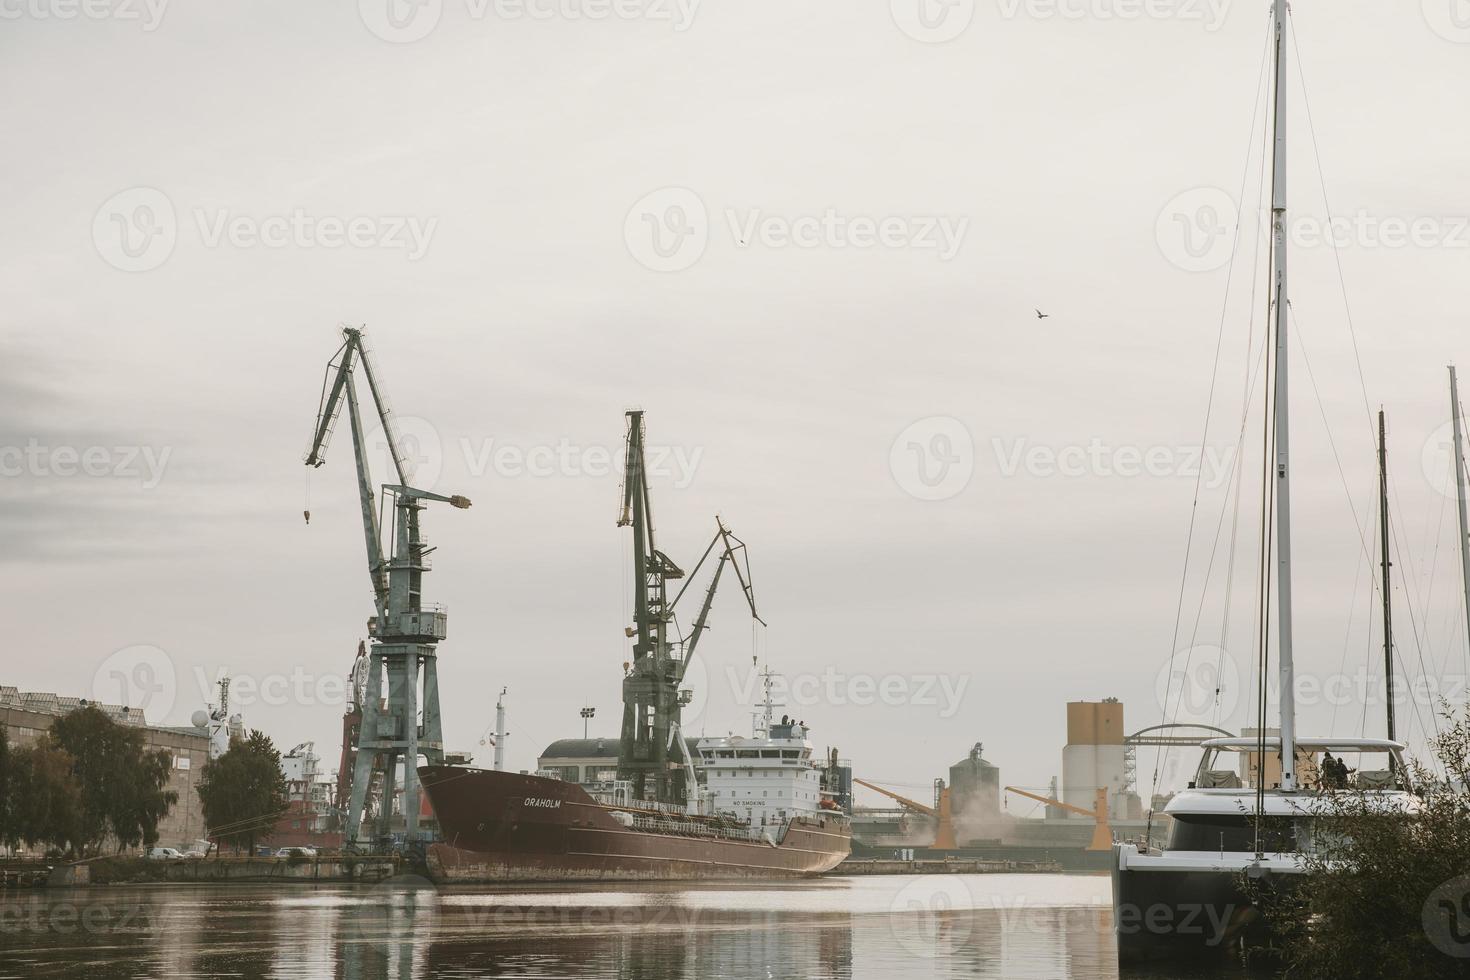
940 813
1102 834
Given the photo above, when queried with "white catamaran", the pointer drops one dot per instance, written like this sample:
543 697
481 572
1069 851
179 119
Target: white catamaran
1249 811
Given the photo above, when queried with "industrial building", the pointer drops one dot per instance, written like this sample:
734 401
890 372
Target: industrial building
971 816
26 715
587 761
1097 758
974 788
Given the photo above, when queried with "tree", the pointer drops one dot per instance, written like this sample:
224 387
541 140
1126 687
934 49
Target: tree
4 785
135 814
45 797
122 783
243 792
1384 895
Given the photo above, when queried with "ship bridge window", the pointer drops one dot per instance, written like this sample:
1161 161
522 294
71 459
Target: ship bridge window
770 754
790 754
1227 832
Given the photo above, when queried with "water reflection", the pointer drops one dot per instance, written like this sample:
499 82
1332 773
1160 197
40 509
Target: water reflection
837 929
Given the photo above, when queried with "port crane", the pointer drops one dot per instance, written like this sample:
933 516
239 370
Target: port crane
651 747
940 812
1102 835
395 730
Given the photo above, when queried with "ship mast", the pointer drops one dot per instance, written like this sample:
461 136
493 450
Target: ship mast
1387 588
1459 464
1287 673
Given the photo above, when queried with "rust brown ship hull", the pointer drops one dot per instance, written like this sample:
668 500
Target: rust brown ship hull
501 826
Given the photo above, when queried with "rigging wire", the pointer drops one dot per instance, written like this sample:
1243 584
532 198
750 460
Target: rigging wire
1385 586
1438 536
1214 548
1295 321
1245 402
1364 552
1327 215
1160 757
1357 354
1347 640
1404 563
1263 659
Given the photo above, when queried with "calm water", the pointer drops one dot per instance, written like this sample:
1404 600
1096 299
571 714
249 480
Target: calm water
1002 926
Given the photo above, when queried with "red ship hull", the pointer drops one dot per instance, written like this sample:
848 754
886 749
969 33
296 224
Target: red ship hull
501 826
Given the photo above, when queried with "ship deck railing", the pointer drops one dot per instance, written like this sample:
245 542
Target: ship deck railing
693 828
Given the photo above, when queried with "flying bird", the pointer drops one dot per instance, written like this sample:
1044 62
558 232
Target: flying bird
1042 316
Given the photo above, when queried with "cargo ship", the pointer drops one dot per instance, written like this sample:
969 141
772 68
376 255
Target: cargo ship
765 809
752 807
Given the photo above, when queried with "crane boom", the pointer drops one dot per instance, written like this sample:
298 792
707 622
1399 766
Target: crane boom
902 801
331 403
380 402
339 388
1102 836
1051 802
353 344
372 534
732 545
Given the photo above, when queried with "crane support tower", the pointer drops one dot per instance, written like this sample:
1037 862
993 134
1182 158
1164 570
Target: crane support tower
650 685
652 698
401 725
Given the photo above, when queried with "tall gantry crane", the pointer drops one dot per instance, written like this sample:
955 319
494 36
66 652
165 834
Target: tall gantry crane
394 731
652 749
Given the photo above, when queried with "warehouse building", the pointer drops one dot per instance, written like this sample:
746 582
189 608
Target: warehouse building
26 715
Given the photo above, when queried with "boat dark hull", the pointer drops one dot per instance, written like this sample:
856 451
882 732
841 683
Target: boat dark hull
1184 915
501 826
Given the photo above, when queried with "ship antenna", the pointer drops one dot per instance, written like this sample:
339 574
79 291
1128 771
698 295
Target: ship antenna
767 704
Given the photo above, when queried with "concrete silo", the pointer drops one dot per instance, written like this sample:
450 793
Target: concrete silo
974 787
1095 757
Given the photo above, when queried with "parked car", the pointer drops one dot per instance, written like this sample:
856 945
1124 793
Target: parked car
306 852
164 854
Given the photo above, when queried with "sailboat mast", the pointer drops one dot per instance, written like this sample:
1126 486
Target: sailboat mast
1387 588
1283 428
1459 465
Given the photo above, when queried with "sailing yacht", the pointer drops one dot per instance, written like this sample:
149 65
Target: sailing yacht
1249 812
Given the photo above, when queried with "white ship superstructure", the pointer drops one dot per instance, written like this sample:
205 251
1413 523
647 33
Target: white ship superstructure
765 779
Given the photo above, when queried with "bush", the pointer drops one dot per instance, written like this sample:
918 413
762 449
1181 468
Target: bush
1385 896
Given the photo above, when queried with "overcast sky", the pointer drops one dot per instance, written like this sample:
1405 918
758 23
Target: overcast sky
807 239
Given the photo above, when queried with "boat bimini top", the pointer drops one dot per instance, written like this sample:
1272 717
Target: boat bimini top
1375 764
